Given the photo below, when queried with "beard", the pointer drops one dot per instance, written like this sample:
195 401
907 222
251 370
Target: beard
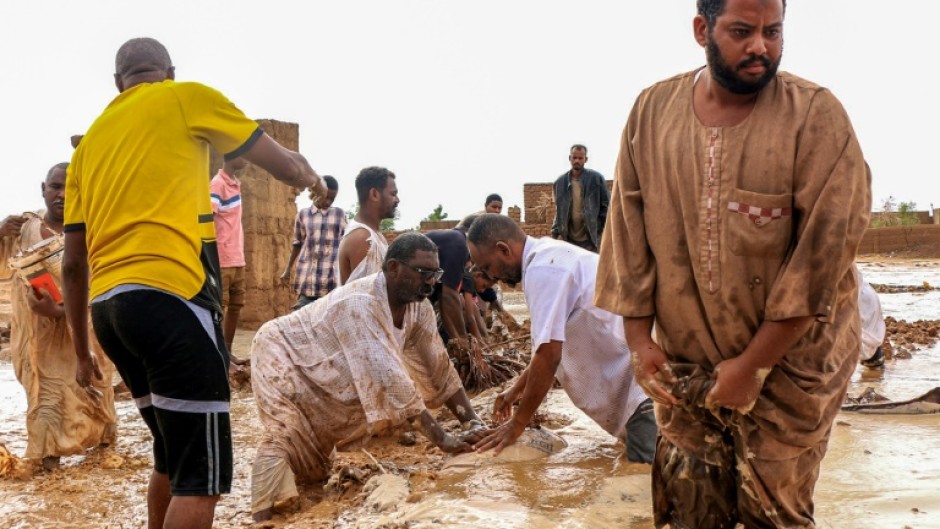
725 75
511 277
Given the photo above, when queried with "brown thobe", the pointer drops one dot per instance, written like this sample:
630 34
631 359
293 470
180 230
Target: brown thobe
714 230
61 418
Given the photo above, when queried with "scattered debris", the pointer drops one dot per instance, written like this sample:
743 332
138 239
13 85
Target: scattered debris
902 289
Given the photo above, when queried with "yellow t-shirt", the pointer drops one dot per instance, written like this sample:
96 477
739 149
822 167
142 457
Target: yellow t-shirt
138 185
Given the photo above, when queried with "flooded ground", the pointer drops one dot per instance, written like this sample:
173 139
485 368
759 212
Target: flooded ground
882 471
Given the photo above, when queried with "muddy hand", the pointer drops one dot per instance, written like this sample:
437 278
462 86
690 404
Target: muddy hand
454 445
737 385
86 369
500 437
42 303
10 227
473 432
502 406
652 372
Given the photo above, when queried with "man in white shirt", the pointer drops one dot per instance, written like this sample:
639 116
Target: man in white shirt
572 340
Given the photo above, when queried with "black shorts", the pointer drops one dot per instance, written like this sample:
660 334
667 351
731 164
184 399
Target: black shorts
177 373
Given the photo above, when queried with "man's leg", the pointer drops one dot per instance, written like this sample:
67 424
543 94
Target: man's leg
689 493
642 433
187 512
158 499
233 299
187 369
778 493
105 318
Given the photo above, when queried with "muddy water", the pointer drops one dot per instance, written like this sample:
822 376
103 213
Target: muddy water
881 471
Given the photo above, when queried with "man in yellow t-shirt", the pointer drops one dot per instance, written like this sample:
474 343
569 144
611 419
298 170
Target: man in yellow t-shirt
138 217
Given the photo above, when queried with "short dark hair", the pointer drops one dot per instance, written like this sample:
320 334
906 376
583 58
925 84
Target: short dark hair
331 183
492 198
466 222
577 147
710 10
406 245
141 55
371 178
61 165
489 228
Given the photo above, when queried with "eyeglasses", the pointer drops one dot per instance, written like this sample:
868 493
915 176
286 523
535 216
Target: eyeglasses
425 273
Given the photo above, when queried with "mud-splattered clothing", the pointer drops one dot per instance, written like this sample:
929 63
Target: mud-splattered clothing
61 418
336 372
595 370
714 230
871 317
372 262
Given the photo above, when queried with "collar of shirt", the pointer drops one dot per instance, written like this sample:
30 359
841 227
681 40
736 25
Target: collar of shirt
528 253
229 180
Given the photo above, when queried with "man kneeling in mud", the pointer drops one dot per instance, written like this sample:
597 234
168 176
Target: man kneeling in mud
353 364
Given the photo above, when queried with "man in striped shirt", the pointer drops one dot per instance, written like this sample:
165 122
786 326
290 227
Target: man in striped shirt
318 231
225 190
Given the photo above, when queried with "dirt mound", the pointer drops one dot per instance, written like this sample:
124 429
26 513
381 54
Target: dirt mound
902 337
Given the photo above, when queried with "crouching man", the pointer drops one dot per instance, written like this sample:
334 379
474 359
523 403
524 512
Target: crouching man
355 363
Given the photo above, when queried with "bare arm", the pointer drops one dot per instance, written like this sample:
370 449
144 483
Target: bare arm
540 377
650 367
294 252
459 405
502 406
285 165
452 313
352 250
75 293
431 429
469 311
740 379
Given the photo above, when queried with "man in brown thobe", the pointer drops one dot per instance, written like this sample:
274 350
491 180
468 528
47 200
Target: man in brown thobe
739 201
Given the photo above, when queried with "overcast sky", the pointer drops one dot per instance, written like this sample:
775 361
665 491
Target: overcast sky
459 99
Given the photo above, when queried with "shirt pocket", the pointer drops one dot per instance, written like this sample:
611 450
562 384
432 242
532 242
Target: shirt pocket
759 225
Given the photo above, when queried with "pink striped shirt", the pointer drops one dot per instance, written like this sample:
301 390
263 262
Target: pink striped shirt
226 194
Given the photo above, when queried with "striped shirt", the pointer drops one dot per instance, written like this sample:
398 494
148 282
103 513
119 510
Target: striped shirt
318 233
226 194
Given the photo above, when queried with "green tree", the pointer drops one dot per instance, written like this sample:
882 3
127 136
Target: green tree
907 214
436 215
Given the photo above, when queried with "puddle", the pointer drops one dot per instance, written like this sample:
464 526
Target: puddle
881 471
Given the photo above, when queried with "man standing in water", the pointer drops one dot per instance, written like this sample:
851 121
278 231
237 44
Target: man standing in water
740 198
138 214
62 418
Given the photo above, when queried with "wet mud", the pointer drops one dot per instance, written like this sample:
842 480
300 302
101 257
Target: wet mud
881 471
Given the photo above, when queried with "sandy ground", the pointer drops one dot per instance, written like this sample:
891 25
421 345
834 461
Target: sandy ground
881 471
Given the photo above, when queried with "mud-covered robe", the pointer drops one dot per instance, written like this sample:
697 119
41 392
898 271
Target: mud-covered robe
61 418
338 371
714 230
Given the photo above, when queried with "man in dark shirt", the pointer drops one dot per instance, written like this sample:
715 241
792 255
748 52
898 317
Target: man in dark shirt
581 200
453 255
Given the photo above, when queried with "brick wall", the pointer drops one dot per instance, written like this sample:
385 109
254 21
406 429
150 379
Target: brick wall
925 238
268 211
539 202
